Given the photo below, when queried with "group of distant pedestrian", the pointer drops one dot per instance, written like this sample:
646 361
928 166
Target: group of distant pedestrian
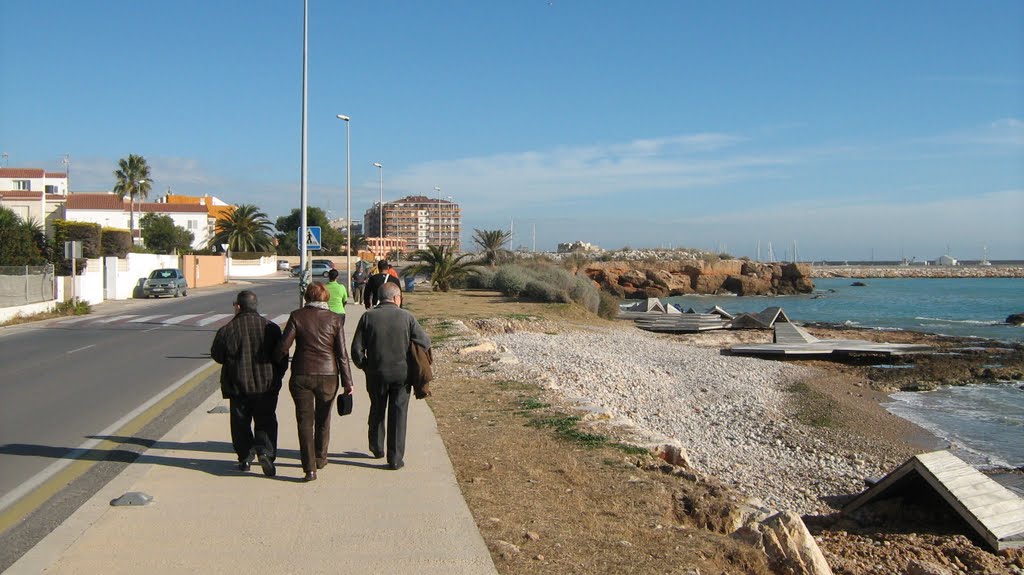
254 354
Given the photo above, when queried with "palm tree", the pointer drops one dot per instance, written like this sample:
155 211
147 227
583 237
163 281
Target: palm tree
492 245
358 243
245 229
133 181
441 264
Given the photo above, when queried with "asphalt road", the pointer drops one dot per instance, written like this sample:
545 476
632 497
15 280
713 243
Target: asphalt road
66 382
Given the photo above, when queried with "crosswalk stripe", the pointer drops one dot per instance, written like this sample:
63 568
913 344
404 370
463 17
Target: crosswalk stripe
178 319
281 318
115 318
213 318
73 320
148 318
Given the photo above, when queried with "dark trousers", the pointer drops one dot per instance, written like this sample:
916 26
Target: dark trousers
390 398
357 292
314 396
254 425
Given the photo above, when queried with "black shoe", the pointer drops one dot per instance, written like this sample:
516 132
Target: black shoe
267 464
244 466
321 464
310 476
396 466
377 454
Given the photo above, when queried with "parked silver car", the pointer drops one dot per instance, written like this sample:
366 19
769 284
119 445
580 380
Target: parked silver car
320 268
168 281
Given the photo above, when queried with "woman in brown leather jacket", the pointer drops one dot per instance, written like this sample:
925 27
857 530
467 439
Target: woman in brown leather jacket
320 356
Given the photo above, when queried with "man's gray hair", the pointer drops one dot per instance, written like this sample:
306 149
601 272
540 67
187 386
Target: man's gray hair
388 291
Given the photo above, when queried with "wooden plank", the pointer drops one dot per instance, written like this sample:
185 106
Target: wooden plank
1010 530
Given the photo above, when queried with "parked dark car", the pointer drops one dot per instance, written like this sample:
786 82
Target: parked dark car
328 263
167 281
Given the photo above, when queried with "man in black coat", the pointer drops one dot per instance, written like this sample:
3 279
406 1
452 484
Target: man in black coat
371 293
251 380
380 348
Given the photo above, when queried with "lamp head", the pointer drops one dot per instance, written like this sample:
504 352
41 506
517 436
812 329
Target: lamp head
343 117
377 165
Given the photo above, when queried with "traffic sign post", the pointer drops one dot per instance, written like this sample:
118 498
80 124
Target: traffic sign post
312 238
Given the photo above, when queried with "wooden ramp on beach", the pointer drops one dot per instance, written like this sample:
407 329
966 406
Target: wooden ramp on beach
792 340
995 512
681 323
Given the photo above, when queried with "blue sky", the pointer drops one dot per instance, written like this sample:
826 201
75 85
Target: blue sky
855 129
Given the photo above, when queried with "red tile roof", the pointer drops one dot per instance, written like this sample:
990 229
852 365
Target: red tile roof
112 202
24 195
28 173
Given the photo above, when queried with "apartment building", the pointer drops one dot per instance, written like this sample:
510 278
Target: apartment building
417 221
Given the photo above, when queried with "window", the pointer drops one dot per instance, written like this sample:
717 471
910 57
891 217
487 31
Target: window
192 224
52 190
23 185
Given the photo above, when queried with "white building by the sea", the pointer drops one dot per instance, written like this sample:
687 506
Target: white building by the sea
947 260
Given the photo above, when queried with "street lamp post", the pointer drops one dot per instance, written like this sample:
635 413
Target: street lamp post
348 200
380 206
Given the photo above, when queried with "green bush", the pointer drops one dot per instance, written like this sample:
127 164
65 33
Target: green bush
511 280
115 242
483 278
78 307
608 307
88 234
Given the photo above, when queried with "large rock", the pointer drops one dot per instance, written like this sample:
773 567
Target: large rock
789 546
1015 319
637 280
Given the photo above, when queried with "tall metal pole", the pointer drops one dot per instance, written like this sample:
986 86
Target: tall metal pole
380 206
437 218
348 200
303 277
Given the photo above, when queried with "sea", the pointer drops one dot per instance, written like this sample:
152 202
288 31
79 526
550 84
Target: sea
984 424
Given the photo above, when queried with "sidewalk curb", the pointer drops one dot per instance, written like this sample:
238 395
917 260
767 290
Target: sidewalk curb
50 549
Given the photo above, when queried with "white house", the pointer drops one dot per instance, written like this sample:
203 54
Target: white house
107 210
33 180
21 191
947 260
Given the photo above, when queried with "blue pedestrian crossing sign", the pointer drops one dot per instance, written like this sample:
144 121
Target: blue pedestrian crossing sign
312 238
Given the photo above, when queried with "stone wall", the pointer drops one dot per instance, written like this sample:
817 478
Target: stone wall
994 271
638 280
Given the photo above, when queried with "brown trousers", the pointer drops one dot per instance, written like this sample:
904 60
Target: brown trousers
314 397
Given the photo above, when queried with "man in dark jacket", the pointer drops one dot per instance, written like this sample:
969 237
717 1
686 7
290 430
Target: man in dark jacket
251 380
371 293
379 348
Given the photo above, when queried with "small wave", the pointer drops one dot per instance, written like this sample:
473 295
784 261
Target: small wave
967 321
851 323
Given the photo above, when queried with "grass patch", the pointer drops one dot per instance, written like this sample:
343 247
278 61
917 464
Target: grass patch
564 427
813 408
530 403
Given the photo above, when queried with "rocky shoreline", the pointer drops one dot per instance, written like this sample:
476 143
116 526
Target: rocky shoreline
739 421
863 272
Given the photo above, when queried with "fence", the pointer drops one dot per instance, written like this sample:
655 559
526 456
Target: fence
21 285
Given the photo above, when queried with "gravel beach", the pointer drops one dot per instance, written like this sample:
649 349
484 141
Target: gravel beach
732 415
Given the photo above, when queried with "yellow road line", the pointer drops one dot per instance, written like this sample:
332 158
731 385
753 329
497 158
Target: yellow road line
17 512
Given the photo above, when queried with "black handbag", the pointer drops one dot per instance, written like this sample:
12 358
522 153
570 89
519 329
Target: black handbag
345 404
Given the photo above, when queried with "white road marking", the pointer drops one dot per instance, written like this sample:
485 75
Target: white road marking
213 318
75 320
115 318
178 319
81 348
148 318
152 328
41 477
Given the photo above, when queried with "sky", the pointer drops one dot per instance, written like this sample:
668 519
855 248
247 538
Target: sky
853 130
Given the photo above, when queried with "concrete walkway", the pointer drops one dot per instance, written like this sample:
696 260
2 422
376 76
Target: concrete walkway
207 517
